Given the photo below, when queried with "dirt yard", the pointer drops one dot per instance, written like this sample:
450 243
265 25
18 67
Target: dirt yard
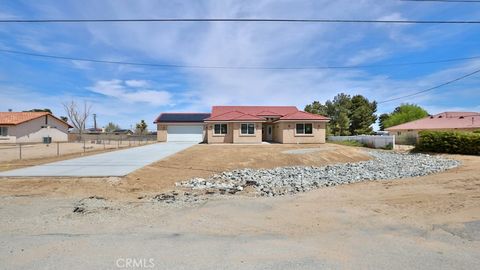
198 161
430 222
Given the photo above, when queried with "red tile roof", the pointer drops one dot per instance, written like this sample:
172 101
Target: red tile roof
301 115
254 110
445 120
15 118
234 116
255 113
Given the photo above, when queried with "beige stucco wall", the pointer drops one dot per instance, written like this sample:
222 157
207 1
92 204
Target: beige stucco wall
414 133
283 132
161 133
288 135
8 139
219 138
32 131
241 138
410 136
277 133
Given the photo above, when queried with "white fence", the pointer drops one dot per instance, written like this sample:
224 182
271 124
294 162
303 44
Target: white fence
370 141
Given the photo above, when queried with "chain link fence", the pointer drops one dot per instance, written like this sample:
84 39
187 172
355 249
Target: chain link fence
24 151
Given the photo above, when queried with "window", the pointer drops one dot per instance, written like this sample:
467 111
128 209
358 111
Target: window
247 129
304 128
3 131
220 129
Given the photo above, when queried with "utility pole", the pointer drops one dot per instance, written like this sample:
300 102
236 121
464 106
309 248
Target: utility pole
95 122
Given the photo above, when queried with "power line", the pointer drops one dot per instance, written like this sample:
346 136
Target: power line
238 20
236 67
432 88
446 1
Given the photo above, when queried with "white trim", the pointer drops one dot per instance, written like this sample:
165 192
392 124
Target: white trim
220 134
248 134
297 121
303 134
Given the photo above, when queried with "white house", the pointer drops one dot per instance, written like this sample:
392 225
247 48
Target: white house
32 127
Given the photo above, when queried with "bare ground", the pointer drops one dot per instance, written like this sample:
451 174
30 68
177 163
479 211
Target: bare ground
198 161
430 222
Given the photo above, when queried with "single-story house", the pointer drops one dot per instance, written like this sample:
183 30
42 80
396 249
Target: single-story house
243 124
122 132
445 121
32 127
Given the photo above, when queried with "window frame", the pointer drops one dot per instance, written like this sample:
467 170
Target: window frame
248 126
221 130
304 129
4 131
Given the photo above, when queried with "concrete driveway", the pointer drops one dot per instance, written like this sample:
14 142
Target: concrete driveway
116 163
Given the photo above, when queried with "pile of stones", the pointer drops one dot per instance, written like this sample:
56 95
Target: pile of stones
290 180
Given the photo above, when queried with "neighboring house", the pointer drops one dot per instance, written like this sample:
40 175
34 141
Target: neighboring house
123 132
243 124
446 121
32 127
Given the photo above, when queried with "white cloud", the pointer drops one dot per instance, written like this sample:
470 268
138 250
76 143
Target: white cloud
367 56
137 83
123 91
246 44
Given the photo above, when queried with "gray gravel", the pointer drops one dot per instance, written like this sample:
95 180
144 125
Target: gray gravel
291 180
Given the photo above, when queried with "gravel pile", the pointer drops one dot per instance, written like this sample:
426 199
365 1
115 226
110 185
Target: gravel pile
92 204
291 180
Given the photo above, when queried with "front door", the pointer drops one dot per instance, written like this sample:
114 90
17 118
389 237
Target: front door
269 133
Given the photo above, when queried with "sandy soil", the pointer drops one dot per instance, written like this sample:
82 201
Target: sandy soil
34 154
430 222
198 161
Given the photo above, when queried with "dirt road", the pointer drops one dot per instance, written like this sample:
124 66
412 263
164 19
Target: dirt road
430 222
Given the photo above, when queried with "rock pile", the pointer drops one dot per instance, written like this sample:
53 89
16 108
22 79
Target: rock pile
291 180
92 204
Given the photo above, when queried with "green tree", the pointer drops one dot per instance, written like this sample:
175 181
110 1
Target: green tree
141 127
316 108
381 120
40 110
403 114
348 115
362 115
111 127
339 110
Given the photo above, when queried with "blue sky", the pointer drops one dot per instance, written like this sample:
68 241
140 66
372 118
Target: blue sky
125 94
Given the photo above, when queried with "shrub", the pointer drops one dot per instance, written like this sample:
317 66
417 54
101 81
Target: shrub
449 142
349 143
388 146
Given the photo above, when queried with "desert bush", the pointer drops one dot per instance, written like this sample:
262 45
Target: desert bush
350 143
449 142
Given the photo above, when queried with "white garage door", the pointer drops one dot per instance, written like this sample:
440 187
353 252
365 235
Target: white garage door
185 133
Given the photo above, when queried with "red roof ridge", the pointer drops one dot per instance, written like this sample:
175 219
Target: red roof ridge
8 118
317 116
456 120
247 114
